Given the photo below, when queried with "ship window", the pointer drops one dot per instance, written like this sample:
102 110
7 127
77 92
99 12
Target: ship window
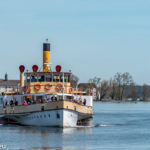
68 78
54 78
42 108
58 116
33 79
57 78
28 78
61 78
49 115
44 116
41 78
48 78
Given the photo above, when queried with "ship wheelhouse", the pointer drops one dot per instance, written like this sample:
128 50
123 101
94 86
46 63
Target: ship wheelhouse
47 82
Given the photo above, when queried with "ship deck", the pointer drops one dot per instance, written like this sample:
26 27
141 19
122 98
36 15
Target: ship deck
57 105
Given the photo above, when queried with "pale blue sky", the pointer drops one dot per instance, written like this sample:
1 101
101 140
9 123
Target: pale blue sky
90 37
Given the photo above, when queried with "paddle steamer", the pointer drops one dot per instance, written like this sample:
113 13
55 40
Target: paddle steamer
46 98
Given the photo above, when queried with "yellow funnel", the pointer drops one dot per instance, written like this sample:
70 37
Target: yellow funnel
46 57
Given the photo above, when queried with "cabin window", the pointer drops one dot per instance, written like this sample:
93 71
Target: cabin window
68 78
33 78
61 78
41 78
57 78
28 78
54 78
48 78
65 78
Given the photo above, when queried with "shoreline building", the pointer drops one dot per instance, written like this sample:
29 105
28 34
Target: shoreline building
8 85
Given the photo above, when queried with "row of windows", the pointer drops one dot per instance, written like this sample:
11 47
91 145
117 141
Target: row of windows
44 116
48 78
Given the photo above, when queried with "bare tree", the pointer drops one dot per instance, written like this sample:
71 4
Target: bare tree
133 91
74 80
122 80
96 81
112 89
104 89
118 81
126 81
145 93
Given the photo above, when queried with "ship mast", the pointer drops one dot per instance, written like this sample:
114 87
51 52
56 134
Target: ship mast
63 87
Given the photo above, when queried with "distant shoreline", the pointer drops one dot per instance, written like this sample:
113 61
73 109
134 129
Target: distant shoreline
121 101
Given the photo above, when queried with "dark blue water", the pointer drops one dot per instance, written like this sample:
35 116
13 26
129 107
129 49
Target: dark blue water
116 126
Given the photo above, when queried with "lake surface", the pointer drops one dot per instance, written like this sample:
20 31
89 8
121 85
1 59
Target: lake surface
116 126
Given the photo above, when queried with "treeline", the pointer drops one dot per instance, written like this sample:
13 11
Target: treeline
120 87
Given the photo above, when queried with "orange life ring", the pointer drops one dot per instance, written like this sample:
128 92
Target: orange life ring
59 87
48 86
70 90
37 86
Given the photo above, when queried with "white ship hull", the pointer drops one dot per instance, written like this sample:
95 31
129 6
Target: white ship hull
57 118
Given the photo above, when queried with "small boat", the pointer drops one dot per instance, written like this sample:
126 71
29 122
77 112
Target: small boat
46 98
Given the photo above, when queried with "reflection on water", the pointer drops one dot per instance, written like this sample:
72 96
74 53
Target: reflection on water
35 138
43 148
46 131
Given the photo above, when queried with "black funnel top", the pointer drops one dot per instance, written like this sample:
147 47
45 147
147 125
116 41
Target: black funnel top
46 46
